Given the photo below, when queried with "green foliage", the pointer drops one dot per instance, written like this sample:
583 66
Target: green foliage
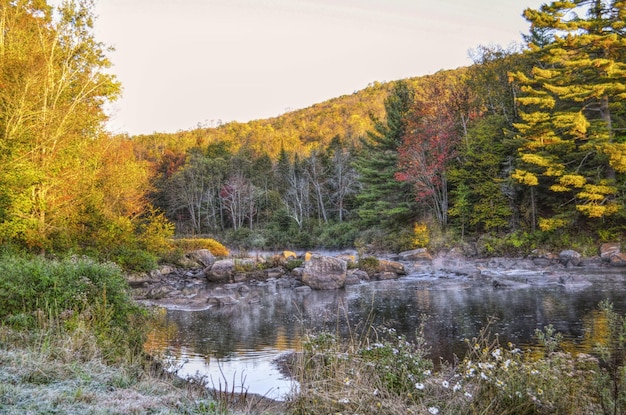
35 290
292 264
368 264
338 235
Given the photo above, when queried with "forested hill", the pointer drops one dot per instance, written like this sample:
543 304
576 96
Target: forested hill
347 116
521 149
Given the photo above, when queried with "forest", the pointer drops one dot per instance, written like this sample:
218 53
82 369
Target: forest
523 149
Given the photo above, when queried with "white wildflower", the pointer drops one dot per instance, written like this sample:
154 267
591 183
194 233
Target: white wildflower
433 410
467 395
445 384
457 387
419 386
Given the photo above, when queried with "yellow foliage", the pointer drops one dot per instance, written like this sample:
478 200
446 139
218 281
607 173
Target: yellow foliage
536 159
525 177
573 180
617 156
551 224
190 244
420 235
598 211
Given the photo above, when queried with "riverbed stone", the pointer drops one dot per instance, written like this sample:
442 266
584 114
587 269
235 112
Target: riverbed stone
618 260
607 250
385 275
324 273
570 257
390 266
420 254
203 257
221 271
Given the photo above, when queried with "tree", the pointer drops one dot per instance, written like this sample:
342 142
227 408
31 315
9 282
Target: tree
384 200
343 179
437 122
572 109
53 90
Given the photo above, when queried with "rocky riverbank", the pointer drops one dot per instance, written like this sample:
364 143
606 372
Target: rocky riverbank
202 281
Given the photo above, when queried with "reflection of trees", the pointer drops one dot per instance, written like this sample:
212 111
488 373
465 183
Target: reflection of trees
278 317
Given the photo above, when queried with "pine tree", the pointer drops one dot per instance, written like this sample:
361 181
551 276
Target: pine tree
572 106
385 201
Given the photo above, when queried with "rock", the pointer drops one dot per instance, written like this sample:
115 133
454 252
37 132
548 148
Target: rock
203 257
274 273
352 279
609 249
221 271
159 292
390 266
386 275
324 273
618 260
349 258
360 274
570 256
420 254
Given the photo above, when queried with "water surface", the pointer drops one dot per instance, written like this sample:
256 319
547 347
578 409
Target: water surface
236 345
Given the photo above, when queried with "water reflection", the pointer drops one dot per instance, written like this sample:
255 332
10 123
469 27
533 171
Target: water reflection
237 343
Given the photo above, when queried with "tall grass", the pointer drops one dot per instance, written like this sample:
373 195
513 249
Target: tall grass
72 295
379 372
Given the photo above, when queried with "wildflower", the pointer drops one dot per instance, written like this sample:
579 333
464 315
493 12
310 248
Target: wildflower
433 410
483 376
518 394
467 395
534 372
445 384
427 373
347 381
496 354
376 392
539 391
499 383
419 386
344 400
457 387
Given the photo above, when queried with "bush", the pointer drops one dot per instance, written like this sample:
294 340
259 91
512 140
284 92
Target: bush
35 292
192 244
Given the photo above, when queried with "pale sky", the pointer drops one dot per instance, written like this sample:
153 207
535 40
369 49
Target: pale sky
185 62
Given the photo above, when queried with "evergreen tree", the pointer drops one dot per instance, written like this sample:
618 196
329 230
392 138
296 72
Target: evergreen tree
572 107
385 201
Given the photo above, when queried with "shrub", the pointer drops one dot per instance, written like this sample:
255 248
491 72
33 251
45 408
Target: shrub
369 264
74 291
420 235
191 244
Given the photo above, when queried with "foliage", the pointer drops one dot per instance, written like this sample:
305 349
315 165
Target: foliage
192 244
572 106
420 235
369 264
73 291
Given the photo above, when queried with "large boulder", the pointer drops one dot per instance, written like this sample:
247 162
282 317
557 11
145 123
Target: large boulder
618 260
203 257
324 273
221 271
607 250
570 257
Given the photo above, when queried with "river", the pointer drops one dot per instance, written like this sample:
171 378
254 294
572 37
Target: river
236 345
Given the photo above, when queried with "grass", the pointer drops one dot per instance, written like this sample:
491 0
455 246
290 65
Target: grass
71 341
378 372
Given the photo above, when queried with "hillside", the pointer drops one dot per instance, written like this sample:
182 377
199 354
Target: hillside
347 116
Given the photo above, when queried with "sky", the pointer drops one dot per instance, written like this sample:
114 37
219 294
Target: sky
190 63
